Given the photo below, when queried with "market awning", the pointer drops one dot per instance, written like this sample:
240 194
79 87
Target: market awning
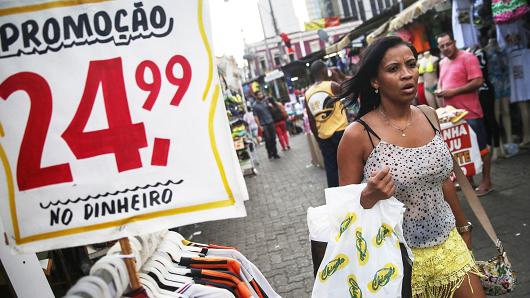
405 17
273 75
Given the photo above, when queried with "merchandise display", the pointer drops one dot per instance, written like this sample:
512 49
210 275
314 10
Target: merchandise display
170 266
450 114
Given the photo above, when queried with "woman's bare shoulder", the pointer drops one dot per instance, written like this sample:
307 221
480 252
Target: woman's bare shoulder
354 136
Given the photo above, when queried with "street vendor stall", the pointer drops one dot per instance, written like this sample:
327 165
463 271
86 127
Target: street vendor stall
407 16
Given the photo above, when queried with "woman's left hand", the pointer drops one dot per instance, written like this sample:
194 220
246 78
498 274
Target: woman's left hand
467 238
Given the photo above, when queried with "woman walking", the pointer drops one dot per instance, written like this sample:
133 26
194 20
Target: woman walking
279 115
395 149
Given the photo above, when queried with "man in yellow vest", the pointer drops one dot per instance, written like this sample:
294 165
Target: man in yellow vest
327 118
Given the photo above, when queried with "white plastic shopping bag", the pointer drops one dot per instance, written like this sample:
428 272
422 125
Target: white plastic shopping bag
363 256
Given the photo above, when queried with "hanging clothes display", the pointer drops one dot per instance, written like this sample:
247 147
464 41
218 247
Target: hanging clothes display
405 35
512 35
505 11
170 266
464 31
419 37
487 99
498 71
519 75
428 69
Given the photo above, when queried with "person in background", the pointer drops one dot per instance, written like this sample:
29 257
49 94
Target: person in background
395 149
460 80
327 118
264 120
252 125
279 116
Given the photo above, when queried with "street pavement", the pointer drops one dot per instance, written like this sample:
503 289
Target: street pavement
274 234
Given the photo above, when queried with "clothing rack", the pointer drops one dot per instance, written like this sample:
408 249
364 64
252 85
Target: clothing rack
164 264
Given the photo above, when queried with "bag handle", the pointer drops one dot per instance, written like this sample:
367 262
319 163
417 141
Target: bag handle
467 189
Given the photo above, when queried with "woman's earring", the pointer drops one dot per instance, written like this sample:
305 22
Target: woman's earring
376 91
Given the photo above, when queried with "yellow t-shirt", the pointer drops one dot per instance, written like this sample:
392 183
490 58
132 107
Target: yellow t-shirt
329 117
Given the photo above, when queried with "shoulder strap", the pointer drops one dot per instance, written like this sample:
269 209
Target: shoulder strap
468 191
369 131
432 121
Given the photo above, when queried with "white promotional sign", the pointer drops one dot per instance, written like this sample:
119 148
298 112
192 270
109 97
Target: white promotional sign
111 122
463 144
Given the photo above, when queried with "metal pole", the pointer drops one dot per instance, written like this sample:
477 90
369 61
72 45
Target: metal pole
275 25
268 56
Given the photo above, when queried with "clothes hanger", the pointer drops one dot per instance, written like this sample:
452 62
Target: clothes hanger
116 268
89 289
144 244
141 251
177 243
72 296
163 263
169 271
172 249
159 279
99 282
174 280
148 282
178 239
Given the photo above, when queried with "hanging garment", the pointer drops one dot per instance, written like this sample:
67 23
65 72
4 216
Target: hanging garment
483 61
519 75
427 65
512 36
224 264
419 38
363 257
498 72
222 277
422 100
202 291
505 11
258 280
405 35
464 31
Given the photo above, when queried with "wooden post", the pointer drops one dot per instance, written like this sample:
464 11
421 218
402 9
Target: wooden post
130 263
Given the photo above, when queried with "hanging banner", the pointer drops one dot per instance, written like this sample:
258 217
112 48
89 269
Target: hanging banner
111 122
463 144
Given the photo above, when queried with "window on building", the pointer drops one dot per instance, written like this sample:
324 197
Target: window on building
346 8
314 45
380 6
373 6
360 9
277 60
355 10
262 64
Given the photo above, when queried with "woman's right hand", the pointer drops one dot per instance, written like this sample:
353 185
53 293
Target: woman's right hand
380 186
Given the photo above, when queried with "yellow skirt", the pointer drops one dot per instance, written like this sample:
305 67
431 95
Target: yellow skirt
439 270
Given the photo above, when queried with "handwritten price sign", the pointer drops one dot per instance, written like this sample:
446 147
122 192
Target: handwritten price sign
110 122
463 144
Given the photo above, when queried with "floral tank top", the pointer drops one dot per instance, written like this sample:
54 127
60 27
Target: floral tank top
418 174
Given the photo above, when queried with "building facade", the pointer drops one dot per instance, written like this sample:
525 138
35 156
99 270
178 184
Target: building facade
285 17
303 43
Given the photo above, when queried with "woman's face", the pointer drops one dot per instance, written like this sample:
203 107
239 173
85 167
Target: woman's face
397 75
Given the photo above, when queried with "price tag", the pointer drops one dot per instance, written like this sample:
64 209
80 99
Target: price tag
112 122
